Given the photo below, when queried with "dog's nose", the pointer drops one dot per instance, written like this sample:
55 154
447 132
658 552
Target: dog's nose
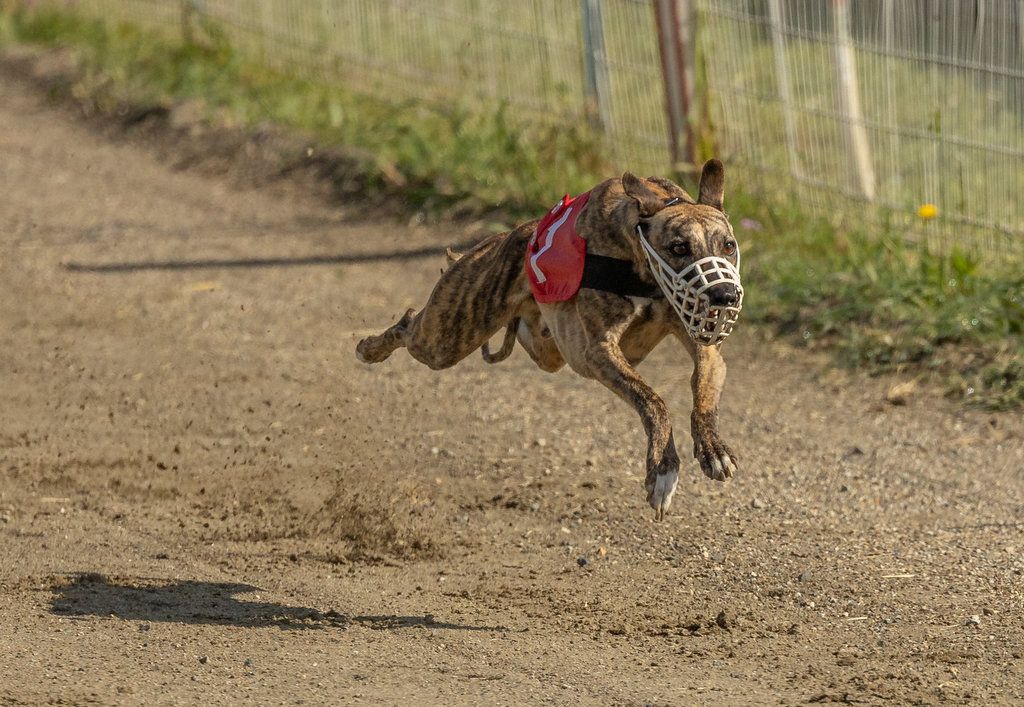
723 295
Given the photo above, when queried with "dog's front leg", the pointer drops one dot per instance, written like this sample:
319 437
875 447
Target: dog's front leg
715 457
609 366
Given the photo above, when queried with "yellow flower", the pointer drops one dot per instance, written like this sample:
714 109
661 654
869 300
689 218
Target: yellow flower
927 211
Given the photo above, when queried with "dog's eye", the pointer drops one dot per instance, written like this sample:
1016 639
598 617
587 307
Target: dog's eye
680 250
730 247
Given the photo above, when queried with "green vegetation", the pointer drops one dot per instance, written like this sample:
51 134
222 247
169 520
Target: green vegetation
880 303
868 296
458 155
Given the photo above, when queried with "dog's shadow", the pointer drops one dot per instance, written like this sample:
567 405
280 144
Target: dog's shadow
193 602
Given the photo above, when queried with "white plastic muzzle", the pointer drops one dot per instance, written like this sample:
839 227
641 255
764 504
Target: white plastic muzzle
706 323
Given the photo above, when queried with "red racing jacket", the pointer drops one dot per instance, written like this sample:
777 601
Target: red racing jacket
556 254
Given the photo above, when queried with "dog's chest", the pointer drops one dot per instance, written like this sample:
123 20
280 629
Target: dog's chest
645 329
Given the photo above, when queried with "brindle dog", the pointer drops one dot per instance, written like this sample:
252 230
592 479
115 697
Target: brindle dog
599 334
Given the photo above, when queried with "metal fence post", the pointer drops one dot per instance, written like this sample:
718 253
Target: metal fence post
676 37
595 66
188 11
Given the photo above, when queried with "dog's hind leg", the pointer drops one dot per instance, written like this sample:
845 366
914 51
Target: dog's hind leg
374 349
479 293
507 344
535 338
432 336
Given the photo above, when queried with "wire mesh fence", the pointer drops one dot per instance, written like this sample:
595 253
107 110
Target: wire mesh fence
876 107
904 104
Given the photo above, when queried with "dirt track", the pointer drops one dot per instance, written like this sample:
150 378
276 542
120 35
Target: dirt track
206 498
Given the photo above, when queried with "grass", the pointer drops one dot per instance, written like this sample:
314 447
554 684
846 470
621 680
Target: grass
862 293
881 304
441 157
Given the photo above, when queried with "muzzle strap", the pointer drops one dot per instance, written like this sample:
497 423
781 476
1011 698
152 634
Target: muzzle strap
616 276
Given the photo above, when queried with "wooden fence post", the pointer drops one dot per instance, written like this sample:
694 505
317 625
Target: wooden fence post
676 42
188 11
595 66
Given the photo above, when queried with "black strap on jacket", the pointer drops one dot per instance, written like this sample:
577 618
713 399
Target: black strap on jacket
616 276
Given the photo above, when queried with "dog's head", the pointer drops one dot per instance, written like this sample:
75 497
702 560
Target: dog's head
689 248
682 231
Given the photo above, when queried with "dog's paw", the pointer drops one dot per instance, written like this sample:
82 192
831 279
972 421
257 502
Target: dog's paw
367 351
361 352
716 460
659 491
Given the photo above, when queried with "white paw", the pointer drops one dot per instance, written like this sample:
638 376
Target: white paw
660 497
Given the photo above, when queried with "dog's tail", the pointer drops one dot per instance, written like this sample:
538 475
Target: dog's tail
506 346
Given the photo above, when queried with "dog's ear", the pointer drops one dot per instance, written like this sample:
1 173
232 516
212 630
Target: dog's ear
672 189
647 202
712 184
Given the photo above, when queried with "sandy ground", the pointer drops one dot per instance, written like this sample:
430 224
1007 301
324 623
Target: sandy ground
205 498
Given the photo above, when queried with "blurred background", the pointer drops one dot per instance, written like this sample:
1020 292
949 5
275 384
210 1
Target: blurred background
892 104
